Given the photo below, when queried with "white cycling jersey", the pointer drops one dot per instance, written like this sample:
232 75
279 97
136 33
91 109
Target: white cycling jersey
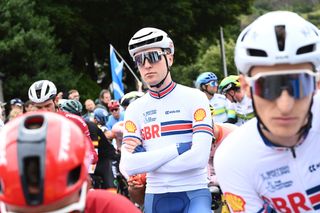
244 110
219 104
177 114
253 173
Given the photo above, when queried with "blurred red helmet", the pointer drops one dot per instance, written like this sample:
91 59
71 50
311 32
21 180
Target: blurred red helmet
113 104
43 158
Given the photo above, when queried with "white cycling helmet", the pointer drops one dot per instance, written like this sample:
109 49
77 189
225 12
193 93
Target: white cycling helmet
149 37
259 44
41 91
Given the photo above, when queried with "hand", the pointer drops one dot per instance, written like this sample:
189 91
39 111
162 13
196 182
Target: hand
139 148
137 181
131 144
183 147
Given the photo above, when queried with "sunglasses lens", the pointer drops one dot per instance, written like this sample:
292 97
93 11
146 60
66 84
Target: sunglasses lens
139 59
153 57
213 83
297 85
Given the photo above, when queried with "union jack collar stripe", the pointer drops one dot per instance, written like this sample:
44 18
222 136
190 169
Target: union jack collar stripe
163 92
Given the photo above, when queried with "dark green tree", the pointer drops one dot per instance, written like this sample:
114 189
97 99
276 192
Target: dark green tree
86 27
28 50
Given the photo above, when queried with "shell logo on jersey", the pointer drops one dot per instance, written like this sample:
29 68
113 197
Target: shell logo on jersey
235 202
199 114
130 127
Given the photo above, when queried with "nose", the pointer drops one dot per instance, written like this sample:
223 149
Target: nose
147 64
285 102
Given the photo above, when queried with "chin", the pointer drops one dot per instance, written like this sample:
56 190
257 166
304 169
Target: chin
286 132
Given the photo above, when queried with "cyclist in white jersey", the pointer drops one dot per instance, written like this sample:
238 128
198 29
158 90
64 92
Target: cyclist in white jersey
207 82
168 131
273 160
241 104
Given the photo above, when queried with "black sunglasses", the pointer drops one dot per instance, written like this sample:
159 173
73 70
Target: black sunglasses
153 57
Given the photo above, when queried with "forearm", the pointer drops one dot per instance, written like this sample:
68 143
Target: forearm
142 162
196 157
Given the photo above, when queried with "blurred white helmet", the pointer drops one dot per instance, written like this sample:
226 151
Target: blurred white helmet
278 37
41 91
149 37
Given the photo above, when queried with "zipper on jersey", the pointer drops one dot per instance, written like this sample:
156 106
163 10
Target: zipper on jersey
293 151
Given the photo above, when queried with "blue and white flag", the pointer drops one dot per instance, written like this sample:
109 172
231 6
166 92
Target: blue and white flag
116 72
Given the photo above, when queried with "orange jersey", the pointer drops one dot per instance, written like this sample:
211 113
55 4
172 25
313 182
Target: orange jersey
220 131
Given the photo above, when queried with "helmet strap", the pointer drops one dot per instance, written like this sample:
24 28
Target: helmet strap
206 91
233 98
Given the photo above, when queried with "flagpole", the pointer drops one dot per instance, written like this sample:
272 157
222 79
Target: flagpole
223 54
135 76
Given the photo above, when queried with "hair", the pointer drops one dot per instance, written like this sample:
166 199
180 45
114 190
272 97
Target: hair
72 91
28 103
103 92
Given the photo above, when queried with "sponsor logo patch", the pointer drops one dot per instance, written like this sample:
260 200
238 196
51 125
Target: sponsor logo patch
236 202
130 127
199 114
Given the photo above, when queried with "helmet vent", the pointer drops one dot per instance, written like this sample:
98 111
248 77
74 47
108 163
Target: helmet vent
38 93
74 175
142 36
280 31
32 171
47 90
306 49
34 122
149 41
33 181
257 53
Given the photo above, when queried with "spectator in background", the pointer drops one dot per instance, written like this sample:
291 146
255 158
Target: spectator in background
104 98
101 118
2 111
28 106
16 103
16 108
90 106
14 112
74 94
115 116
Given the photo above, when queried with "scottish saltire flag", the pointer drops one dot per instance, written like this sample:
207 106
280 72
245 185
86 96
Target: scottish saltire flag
116 72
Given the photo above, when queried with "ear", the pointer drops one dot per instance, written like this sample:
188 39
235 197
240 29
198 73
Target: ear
245 86
203 87
56 100
170 59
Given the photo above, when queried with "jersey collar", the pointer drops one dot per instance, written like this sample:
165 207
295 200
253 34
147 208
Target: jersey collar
162 93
